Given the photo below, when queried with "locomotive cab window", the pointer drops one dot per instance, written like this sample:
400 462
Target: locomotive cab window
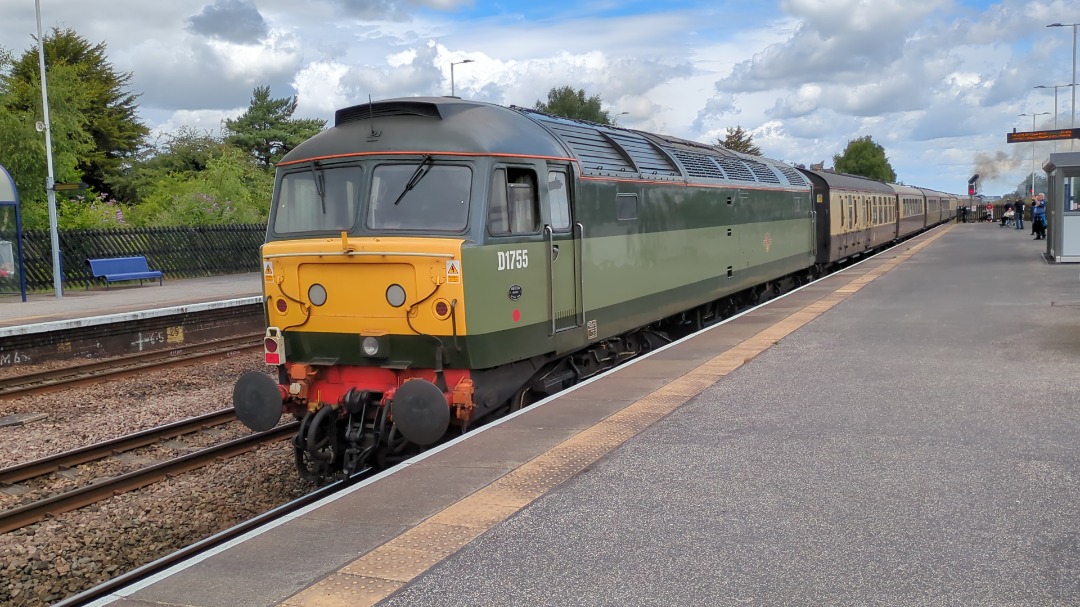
559 201
317 199
420 196
513 207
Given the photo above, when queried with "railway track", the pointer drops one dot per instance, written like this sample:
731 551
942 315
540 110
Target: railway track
33 512
60 461
124 366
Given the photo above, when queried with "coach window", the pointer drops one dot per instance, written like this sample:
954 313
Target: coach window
513 207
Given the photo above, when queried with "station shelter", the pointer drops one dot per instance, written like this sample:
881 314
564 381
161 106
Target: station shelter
1063 206
12 277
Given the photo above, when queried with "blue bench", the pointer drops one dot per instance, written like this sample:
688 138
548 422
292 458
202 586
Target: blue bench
123 268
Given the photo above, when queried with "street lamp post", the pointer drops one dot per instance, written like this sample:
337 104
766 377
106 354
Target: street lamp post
452 64
1033 116
1072 123
50 184
1055 87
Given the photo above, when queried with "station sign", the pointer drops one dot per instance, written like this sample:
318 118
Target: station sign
1030 136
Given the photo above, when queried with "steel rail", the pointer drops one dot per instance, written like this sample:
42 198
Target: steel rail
29 514
124 580
89 453
113 368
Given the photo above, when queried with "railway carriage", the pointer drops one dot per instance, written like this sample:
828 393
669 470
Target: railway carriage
940 206
431 262
854 214
912 210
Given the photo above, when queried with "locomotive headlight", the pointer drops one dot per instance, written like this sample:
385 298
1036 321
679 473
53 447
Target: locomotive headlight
395 295
370 346
317 294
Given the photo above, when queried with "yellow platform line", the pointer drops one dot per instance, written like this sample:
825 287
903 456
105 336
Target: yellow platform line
379 573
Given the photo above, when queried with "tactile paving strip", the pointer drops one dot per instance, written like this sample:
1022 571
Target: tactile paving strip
379 573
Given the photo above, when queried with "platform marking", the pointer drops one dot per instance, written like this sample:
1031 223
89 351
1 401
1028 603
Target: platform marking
379 573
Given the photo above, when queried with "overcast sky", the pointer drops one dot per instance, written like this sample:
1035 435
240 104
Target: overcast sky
938 83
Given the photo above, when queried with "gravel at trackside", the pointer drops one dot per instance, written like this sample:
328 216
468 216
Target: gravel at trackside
45 562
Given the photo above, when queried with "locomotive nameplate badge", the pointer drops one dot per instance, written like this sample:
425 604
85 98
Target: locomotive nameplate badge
453 272
514 292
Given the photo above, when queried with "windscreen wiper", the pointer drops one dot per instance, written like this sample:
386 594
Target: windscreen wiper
320 183
415 179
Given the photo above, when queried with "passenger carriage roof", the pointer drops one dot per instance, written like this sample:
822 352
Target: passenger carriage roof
844 181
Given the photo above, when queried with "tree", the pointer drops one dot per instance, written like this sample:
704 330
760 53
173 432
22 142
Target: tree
185 151
232 189
267 129
738 140
864 157
108 109
568 103
22 147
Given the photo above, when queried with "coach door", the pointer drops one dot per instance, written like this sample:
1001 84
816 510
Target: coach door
563 235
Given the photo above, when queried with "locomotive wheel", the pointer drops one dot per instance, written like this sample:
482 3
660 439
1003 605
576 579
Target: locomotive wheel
396 450
523 398
316 446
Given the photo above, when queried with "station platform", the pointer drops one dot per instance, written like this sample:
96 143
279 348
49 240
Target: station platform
125 299
904 432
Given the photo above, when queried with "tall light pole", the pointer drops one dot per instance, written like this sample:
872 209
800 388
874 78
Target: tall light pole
1055 87
452 64
50 184
1072 123
1033 116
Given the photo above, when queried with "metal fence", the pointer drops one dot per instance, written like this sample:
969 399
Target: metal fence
178 252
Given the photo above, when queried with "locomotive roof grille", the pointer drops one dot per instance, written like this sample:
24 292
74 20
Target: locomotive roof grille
762 171
643 153
596 152
698 165
605 149
735 168
794 177
383 109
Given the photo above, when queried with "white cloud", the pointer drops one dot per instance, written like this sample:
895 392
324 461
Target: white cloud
935 81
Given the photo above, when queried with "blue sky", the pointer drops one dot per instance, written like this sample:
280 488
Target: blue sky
938 83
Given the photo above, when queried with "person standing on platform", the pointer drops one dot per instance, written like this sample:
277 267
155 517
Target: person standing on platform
1038 216
1019 213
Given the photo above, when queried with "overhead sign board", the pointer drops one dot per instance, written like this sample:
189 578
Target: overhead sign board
60 187
1030 136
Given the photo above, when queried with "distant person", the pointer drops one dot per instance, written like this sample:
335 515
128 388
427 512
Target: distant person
1007 215
1038 216
1019 213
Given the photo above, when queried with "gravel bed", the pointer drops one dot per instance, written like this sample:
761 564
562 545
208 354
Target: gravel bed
90 414
45 562
85 474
